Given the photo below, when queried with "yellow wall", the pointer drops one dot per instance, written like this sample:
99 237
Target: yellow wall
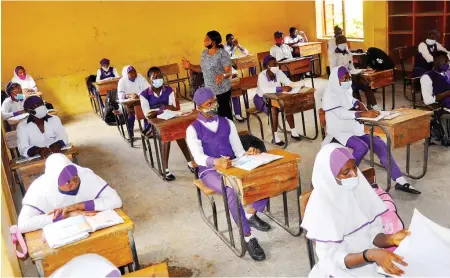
60 43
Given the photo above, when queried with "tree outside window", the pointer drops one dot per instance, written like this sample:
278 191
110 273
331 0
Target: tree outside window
348 14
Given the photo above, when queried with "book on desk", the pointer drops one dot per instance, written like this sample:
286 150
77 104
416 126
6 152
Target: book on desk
76 228
384 115
250 162
26 159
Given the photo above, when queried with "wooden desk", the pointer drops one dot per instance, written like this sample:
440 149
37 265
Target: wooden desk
114 243
32 94
13 121
157 270
298 66
244 62
310 49
382 79
408 128
290 104
105 86
167 131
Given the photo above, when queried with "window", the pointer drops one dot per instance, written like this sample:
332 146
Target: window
348 14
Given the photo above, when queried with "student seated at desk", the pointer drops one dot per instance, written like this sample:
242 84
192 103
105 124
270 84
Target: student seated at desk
343 217
295 38
423 61
214 141
25 80
332 41
154 100
40 134
341 113
343 57
13 105
130 86
64 190
280 50
106 71
273 80
435 83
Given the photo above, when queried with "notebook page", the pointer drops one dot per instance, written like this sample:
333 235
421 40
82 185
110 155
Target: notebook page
104 219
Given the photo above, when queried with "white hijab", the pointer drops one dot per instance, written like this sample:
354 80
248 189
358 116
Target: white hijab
334 212
27 83
87 265
128 87
337 98
44 195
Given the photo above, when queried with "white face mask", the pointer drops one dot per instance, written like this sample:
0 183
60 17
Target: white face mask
41 112
274 69
430 42
157 83
105 68
350 184
346 85
342 46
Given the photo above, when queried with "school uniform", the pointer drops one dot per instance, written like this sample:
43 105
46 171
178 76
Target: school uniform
11 108
331 46
110 73
268 85
297 39
232 49
209 139
44 194
152 102
29 137
25 83
423 60
281 52
344 58
434 83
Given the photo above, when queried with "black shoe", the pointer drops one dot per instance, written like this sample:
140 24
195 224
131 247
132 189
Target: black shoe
255 251
406 187
297 138
258 223
281 143
192 169
170 177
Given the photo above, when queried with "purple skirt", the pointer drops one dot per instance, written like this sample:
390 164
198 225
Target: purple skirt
260 104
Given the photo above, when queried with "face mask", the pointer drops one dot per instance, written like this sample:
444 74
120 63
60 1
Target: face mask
131 79
346 85
350 184
445 67
20 97
274 69
279 41
209 46
40 112
22 77
342 46
430 42
157 83
212 111
105 68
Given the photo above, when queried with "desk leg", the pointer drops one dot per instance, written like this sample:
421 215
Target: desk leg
161 153
269 109
389 153
40 268
393 96
425 160
135 265
371 146
316 126
384 98
283 119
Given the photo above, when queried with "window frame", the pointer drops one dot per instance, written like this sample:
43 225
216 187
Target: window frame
324 22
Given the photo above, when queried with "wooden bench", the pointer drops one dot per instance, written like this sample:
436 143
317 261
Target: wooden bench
208 191
157 270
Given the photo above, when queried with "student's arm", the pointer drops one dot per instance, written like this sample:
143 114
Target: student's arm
440 47
196 148
285 81
427 89
145 105
333 60
188 66
108 199
226 62
98 75
289 54
121 89
6 110
425 53
286 41
172 100
33 84
116 74
344 114
30 219
61 137
243 50
235 141
264 86
23 144
303 34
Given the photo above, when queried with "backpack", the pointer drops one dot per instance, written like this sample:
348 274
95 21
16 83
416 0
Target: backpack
378 59
437 127
111 105
392 223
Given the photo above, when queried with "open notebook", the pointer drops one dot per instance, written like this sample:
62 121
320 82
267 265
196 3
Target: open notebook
76 228
169 114
250 162
384 115
426 250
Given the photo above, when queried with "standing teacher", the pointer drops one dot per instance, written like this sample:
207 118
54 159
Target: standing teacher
215 64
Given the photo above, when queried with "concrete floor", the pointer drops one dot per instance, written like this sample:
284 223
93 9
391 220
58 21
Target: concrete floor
167 221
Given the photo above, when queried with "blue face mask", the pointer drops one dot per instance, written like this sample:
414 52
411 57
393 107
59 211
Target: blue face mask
20 97
157 83
346 85
131 79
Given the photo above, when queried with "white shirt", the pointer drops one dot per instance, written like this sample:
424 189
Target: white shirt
29 135
99 73
423 49
339 59
195 145
427 89
289 39
10 106
232 49
28 83
265 86
126 87
281 52
331 45
145 105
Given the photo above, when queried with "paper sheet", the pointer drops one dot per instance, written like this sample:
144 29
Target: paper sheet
389 115
426 250
250 162
19 117
168 114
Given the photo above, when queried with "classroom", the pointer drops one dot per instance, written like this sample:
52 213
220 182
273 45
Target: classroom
312 138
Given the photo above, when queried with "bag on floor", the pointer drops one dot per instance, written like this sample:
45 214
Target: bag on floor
378 59
17 237
392 223
437 127
110 106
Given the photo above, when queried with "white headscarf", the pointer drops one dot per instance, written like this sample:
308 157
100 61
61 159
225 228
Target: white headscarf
87 265
27 83
334 212
333 98
126 86
44 195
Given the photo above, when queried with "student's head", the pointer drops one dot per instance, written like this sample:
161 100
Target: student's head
230 39
341 42
14 91
213 39
337 31
271 64
35 106
278 36
432 37
441 61
345 79
343 168
68 180
61 170
104 63
205 100
20 72
132 73
155 77
293 32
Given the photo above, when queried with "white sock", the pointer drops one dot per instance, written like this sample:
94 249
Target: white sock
376 107
247 238
277 139
239 117
401 180
168 172
248 215
294 133
190 164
